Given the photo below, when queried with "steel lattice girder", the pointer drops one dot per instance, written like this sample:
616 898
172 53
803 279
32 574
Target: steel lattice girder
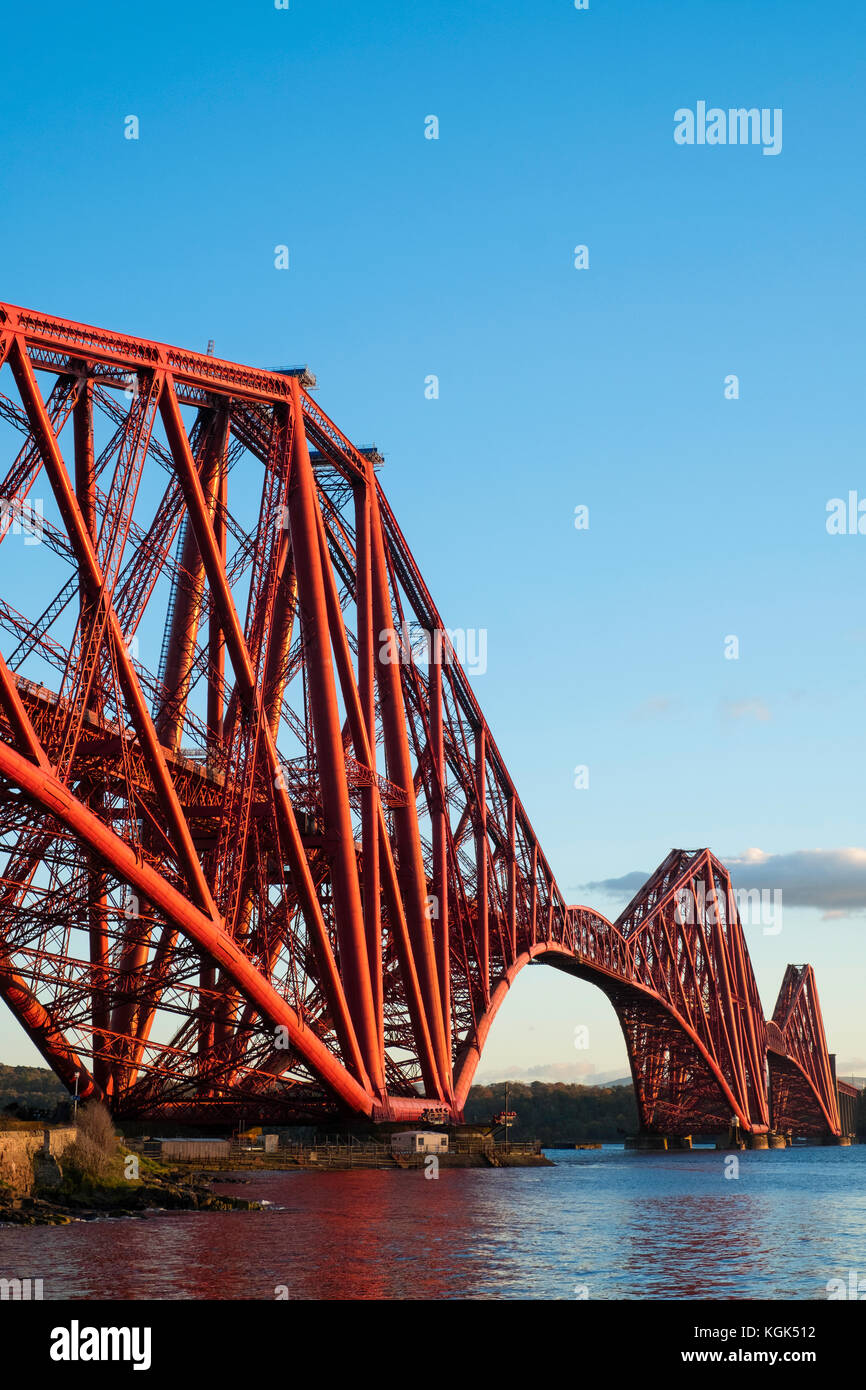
802 1080
321 904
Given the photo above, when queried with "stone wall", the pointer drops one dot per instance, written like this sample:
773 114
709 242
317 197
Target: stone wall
19 1148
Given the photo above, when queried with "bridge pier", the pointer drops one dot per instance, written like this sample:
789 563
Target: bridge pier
753 1141
654 1142
836 1140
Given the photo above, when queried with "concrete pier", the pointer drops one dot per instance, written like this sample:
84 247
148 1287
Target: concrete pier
655 1142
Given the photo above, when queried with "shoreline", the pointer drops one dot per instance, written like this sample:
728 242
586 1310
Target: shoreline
182 1192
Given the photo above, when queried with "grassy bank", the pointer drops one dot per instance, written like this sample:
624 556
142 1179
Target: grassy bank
97 1177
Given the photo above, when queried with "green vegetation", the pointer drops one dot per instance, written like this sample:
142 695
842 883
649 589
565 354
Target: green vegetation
95 1155
98 1176
31 1088
551 1112
545 1111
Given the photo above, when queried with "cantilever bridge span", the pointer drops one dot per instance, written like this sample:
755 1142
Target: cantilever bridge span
260 853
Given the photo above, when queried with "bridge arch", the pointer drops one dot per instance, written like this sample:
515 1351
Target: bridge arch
620 994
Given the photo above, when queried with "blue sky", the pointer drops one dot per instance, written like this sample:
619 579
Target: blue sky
558 387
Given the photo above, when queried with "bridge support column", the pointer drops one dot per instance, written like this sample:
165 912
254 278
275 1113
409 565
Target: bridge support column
653 1142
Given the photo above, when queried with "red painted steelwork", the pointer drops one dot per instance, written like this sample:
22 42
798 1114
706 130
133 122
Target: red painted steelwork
260 853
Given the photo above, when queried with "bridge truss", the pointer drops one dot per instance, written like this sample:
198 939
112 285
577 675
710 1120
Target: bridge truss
260 852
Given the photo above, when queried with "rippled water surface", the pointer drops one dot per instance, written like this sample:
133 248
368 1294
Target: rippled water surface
620 1225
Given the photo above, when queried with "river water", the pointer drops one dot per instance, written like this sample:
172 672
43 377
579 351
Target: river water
600 1225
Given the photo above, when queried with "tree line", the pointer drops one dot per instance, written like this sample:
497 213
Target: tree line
558 1111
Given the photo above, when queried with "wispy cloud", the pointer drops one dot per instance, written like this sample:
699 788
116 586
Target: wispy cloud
754 710
831 879
624 887
581 1072
656 707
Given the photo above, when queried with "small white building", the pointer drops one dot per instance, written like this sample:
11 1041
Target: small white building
419 1141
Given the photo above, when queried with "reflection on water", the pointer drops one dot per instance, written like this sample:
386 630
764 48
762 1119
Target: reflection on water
620 1225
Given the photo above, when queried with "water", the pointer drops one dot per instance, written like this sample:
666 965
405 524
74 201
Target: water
615 1224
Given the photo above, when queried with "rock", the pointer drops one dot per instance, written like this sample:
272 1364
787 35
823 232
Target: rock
47 1171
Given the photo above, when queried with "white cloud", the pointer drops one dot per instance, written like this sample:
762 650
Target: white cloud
832 880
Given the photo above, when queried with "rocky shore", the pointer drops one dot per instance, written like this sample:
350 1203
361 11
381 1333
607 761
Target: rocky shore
174 1192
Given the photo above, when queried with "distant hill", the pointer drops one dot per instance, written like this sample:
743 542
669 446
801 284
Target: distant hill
36 1087
549 1111
557 1111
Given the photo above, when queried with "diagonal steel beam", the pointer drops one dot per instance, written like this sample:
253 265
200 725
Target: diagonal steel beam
85 554
245 678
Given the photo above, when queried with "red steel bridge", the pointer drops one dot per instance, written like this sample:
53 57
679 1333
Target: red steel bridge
260 852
